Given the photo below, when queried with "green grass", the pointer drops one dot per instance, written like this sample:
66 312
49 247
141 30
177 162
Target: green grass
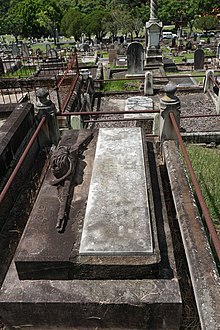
24 72
205 163
121 85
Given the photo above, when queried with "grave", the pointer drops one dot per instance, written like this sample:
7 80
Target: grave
111 196
112 55
25 50
199 58
124 229
144 120
136 103
135 59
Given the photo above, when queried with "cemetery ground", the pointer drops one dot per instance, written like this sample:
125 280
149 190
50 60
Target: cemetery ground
191 103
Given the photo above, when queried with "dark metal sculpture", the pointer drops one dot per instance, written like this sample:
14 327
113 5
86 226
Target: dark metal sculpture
63 168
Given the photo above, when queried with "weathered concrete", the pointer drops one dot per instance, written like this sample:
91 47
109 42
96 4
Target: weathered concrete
43 252
117 219
112 304
13 132
119 292
136 103
203 271
55 255
14 135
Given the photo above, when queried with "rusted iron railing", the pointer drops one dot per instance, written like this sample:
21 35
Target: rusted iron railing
211 229
21 160
98 113
73 65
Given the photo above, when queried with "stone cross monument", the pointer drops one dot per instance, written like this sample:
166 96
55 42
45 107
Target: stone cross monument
153 33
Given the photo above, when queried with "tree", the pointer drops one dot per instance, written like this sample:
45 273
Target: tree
206 23
139 15
49 17
95 23
13 22
72 24
32 18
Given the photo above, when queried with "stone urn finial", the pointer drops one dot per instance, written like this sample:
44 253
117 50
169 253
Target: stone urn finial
170 90
42 95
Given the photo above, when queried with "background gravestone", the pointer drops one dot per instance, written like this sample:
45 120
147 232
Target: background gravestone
199 58
24 50
112 55
48 48
135 56
15 50
116 46
52 53
1 67
218 51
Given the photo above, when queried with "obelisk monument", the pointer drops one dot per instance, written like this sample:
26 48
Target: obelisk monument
153 34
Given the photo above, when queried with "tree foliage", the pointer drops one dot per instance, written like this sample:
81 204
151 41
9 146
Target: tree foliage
206 23
92 17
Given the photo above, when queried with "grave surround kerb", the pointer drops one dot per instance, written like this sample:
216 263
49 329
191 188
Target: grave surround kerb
169 103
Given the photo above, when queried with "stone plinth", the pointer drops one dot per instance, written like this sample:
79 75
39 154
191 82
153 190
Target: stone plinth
137 103
117 219
77 304
61 288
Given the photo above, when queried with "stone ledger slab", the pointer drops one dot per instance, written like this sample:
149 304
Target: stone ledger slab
122 226
137 103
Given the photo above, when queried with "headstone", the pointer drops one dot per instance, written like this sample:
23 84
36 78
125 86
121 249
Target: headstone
208 84
123 225
86 48
48 48
135 56
52 54
15 50
137 103
116 46
1 67
24 50
218 51
173 45
189 45
199 59
148 83
39 52
112 55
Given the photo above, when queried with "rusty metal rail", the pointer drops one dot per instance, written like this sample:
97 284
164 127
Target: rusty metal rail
21 160
67 99
213 235
72 63
98 113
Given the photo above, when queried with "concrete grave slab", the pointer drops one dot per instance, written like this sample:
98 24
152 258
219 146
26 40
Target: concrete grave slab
136 103
56 255
117 219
